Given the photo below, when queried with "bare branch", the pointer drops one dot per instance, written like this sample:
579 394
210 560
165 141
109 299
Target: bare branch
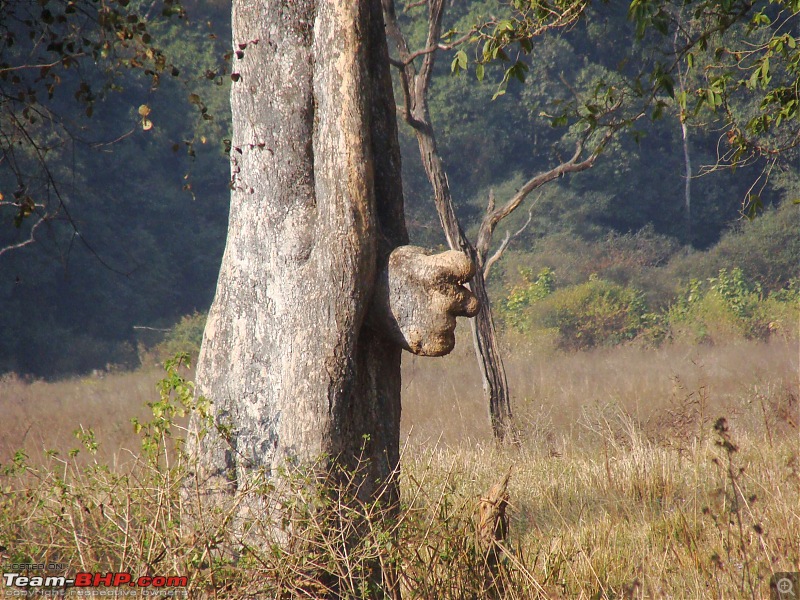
430 49
393 33
43 65
434 32
415 5
31 238
19 204
506 241
408 72
62 205
573 165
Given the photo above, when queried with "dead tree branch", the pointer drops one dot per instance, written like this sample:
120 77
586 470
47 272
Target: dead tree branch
506 241
572 165
30 240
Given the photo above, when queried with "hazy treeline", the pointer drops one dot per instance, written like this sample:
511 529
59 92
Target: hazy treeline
151 207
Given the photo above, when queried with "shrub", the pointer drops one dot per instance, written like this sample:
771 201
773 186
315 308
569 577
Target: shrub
729 305
185 336
514 310
781 310
595 313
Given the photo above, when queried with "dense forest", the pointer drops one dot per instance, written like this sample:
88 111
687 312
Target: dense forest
136 164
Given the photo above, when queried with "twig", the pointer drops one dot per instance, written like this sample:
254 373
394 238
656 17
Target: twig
31 239
506 240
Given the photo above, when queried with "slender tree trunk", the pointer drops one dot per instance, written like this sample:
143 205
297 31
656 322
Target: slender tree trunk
687 186
490 361
682 116
417 114
415 85
484 334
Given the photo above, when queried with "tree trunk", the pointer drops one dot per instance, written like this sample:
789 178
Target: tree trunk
490 361
687 185
417 114
317 293
316 204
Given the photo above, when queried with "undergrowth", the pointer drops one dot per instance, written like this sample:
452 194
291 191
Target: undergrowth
684 505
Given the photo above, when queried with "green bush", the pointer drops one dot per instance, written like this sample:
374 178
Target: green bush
184 337
514 311
731 306
595 313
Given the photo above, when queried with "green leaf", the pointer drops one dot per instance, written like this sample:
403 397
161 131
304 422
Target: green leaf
479 71
459 62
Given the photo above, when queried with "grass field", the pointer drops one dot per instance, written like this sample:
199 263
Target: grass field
642 473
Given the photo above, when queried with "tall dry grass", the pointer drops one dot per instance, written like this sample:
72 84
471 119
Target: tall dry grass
553 391
39 416
642 473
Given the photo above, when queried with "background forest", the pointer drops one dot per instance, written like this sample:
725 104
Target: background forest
622 251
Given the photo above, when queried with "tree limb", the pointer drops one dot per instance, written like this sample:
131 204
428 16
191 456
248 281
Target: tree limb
573 165
430 49
423 81
504 244
31 238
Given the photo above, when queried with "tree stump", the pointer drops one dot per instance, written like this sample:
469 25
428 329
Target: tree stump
492 530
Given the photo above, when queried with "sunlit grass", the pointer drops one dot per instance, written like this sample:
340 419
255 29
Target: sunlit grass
622 487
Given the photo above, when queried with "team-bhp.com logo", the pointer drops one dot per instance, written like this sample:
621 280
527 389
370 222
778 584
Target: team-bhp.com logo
87 580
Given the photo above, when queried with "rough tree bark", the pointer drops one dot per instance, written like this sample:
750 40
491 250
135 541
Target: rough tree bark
317 293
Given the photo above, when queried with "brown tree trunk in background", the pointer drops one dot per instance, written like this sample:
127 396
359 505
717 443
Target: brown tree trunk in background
484 334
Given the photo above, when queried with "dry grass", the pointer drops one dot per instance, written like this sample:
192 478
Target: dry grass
552 391
622 487
41 416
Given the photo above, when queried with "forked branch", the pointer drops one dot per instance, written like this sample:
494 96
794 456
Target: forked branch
572 165
504 244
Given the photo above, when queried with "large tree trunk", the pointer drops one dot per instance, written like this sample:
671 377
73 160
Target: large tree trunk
316 204
318 293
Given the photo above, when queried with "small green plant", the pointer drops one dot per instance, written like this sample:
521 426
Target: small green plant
184 337
176 399
522 296
514 310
